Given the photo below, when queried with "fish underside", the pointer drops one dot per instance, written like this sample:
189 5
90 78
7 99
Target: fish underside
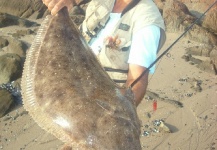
67 92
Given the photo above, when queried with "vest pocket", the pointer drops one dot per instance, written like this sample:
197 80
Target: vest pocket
118 58
125 48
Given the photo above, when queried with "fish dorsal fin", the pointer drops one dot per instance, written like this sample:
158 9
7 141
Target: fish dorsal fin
27 83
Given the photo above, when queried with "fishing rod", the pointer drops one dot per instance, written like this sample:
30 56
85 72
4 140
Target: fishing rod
159 57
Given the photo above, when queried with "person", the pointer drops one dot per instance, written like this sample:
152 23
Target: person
125 35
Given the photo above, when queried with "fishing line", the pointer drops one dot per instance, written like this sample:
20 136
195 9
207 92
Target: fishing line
159 57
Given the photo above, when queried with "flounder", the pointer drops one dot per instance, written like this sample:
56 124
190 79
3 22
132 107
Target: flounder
67 92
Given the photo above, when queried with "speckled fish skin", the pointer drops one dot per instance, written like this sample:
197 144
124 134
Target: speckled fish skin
68 94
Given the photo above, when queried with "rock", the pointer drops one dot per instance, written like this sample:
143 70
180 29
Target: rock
77 10
177 16
14 46
20 33
213 56
77 15
206 66
195 60
187 57
199 6
201 35
14 89
33 9
210 20
9 20
164 128
17 84
23 8
178 5
213 60
10 67
199 51
3 42
6 101
77 19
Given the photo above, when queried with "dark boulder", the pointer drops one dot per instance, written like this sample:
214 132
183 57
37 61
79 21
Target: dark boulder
33 9
10 67
23 8
6 101
14 46
9 20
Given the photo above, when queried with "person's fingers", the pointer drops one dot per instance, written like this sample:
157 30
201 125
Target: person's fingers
55 5
46 2
55 10
52 4
60 5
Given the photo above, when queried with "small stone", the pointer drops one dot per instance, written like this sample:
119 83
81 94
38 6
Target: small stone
164 128
145 133
148 115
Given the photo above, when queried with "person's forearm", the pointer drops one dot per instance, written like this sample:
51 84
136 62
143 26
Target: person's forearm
139 88
139 91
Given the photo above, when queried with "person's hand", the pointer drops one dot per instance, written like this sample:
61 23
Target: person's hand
55 5
114 42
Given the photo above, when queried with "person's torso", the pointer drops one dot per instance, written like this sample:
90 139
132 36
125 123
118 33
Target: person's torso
114 58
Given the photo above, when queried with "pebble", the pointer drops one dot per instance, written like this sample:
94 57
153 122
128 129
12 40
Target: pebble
145 133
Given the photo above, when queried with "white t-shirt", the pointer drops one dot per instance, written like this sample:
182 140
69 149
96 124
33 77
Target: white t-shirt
143 50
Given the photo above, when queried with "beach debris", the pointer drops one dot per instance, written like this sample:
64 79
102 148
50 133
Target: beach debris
193 84
154 96
189 94
145 133
156 126
183 79
154 105
157 122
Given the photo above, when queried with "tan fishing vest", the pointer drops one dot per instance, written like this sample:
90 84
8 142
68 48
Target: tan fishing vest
114 60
